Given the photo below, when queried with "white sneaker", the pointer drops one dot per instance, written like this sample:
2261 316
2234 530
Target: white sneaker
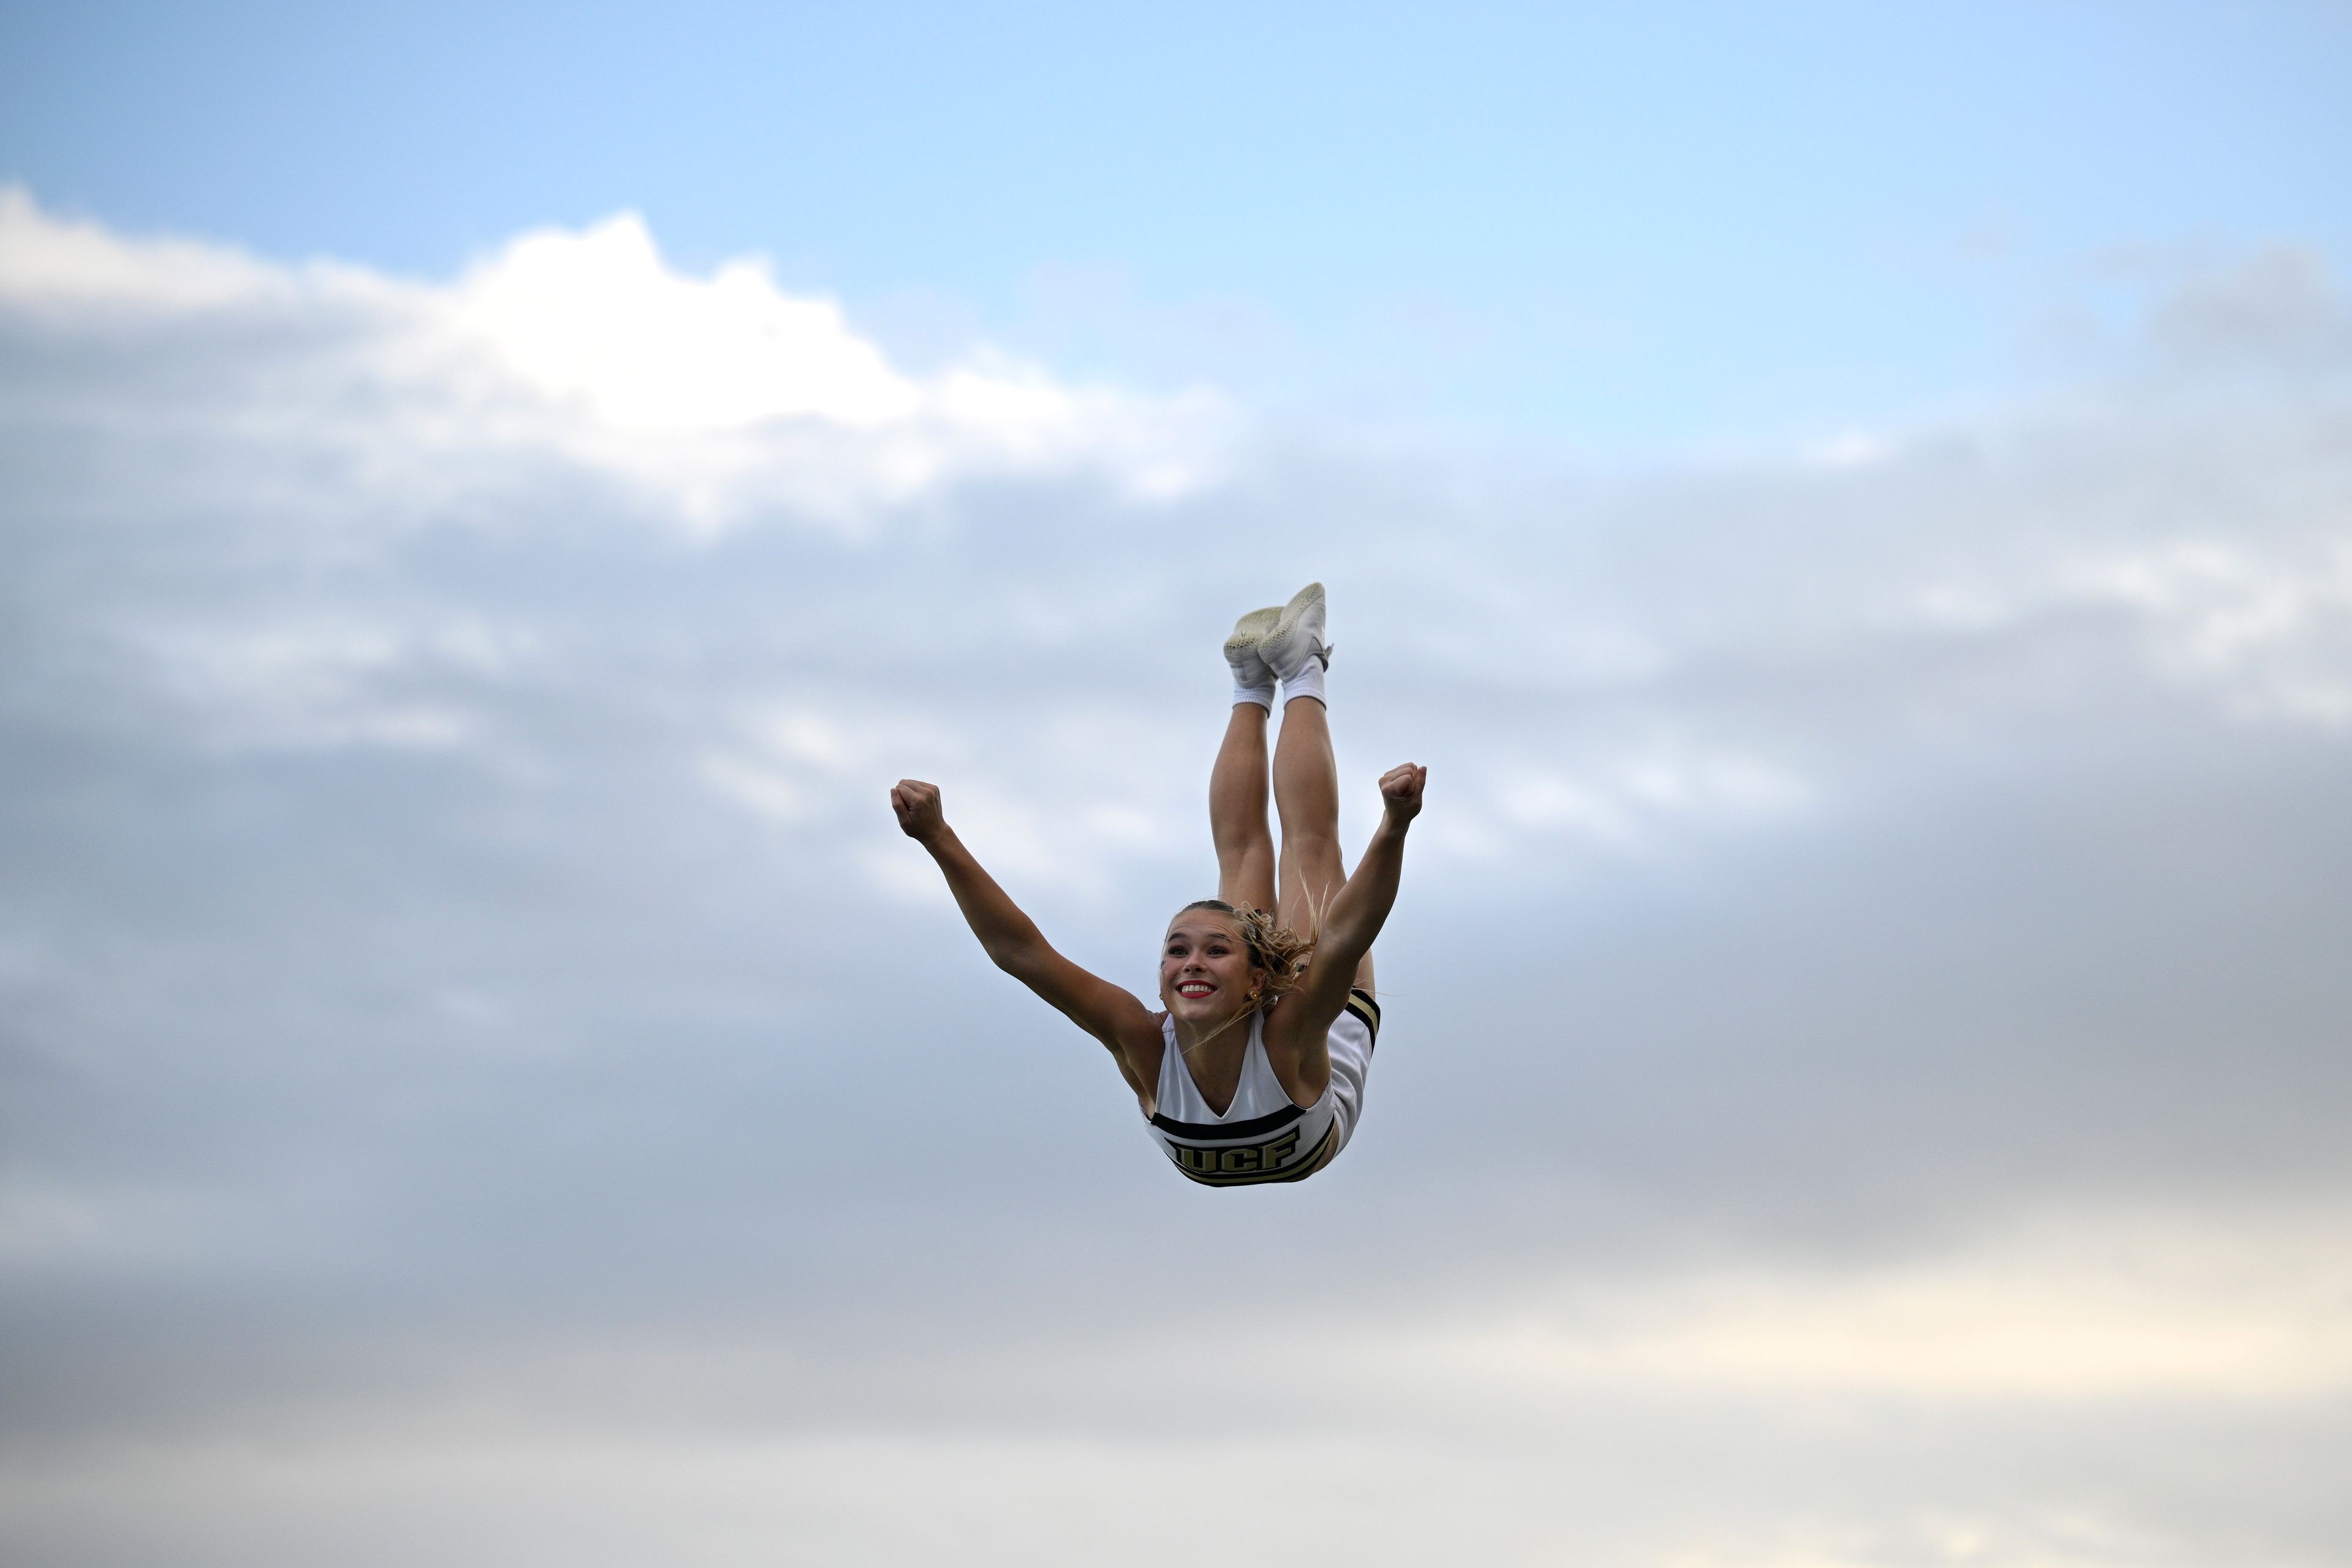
1297 637
1249 668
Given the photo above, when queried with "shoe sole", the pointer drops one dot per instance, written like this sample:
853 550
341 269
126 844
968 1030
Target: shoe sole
1251 629
1274 647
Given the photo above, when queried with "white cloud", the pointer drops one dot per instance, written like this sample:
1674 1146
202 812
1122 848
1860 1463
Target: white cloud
598 321
2273 626
51 263
719 397
2143 1312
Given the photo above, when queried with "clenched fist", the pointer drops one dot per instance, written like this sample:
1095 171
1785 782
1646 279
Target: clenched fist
918 805
1401 789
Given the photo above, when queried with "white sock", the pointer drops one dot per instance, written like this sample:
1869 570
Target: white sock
1308 682
1261 695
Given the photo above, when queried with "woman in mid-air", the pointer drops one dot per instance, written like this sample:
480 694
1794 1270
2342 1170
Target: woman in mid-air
1255 1071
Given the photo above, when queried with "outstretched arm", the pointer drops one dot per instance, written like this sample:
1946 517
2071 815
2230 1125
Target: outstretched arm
1011 939
1360 907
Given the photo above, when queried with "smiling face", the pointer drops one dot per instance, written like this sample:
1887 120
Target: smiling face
1205 974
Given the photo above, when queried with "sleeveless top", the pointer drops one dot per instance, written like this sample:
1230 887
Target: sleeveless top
1262 1136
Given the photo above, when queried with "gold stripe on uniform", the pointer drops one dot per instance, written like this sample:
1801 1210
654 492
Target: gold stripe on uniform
1290 1171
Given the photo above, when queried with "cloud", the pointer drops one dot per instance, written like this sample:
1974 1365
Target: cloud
716 398
2143 1314
2279 307
53 264
1865 1005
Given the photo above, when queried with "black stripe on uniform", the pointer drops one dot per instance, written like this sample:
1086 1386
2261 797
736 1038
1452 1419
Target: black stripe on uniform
1296 1171
1273 1121
1361 1005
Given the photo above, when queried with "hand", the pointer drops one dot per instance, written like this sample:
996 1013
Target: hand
1401 791
918 805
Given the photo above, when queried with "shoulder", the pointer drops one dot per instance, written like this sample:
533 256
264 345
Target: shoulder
1300 1015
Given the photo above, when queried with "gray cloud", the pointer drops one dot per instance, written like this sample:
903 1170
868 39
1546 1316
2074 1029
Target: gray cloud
461 977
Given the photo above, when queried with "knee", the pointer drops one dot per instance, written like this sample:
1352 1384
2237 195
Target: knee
1242 855
1311 847
1235 840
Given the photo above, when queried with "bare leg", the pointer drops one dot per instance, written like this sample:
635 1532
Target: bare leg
1237 812
1306 796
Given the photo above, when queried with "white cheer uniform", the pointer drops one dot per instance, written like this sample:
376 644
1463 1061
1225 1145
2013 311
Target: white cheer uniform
1262 1136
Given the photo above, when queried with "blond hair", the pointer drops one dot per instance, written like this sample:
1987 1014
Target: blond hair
1275 949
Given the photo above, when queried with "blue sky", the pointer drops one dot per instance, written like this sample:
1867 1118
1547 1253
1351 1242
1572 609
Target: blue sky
1640 229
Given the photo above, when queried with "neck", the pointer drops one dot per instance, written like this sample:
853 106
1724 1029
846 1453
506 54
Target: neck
1190 1037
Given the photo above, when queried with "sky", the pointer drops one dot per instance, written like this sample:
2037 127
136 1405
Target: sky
1854 509
1627 228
